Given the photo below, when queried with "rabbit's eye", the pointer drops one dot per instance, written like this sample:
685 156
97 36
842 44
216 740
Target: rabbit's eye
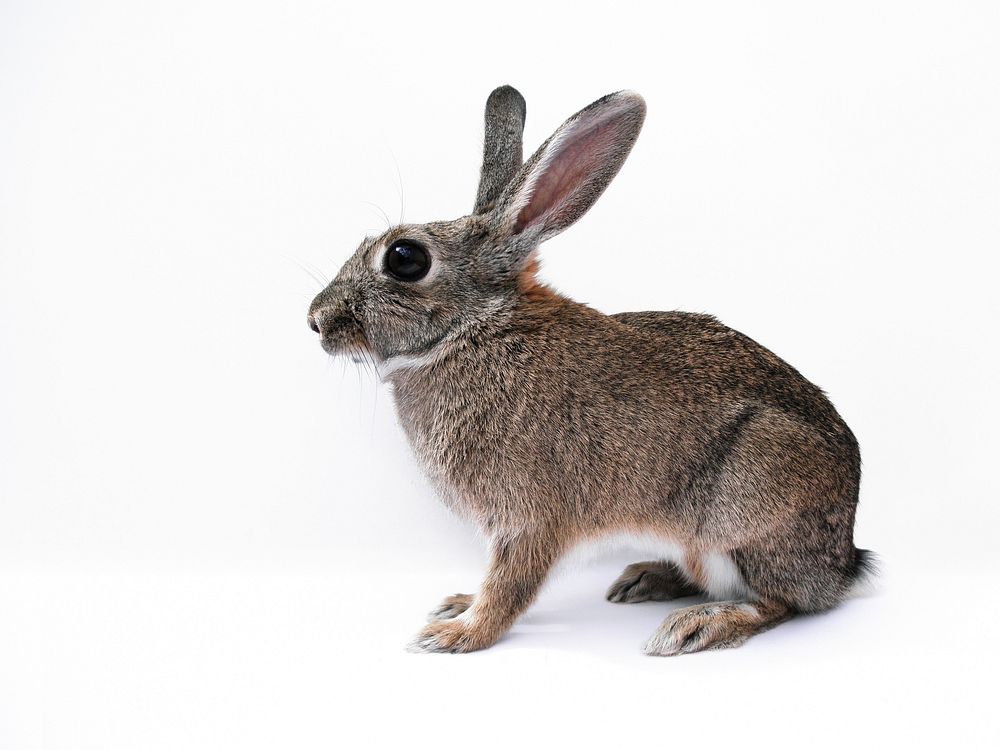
406 260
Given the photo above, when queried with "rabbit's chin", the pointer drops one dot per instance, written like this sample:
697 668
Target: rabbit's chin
355 350
362 358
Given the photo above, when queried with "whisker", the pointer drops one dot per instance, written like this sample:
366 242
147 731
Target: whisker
311 272
362 358
372 369
361 394
371 358
319 271
385 216
399 188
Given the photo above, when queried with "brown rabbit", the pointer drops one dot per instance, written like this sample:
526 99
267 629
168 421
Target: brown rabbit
550 424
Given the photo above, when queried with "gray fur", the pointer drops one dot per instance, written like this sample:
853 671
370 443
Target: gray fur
653 581
504 125
548 423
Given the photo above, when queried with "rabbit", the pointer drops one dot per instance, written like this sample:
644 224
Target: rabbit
549 424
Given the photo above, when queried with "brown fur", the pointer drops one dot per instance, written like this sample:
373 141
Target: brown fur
695 571
528 284
548 423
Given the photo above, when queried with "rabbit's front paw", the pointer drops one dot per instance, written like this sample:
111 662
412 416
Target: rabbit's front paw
452 606
449 637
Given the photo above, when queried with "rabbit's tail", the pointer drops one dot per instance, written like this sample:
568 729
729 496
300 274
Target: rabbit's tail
864 571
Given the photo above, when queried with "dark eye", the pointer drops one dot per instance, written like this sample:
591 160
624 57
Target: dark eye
407 261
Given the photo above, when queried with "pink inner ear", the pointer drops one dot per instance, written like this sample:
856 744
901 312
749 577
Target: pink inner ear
579 154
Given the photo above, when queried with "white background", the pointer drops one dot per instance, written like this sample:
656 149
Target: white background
213 536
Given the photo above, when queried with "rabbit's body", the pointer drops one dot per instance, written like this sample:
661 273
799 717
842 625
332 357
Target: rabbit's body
550 424
666 412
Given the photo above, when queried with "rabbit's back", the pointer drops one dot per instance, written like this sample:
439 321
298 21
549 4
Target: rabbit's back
734 363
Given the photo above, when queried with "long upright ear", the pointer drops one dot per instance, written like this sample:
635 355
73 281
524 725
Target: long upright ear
505 111
567 175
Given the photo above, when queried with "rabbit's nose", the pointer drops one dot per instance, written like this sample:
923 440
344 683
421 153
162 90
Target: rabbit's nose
313 324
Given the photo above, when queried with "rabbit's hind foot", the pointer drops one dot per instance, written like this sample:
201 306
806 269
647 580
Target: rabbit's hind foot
715 625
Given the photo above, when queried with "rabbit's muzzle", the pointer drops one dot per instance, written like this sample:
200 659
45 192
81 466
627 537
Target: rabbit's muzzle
340 331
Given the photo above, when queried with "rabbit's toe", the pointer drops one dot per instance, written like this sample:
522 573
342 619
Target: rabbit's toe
448 637
631 586
452 606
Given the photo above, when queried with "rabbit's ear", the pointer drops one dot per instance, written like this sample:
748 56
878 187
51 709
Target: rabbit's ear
572 168
505 111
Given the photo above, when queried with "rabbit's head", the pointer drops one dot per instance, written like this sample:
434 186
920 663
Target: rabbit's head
405 291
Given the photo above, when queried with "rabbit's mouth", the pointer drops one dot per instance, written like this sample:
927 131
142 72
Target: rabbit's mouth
340 332
357 350
352 344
